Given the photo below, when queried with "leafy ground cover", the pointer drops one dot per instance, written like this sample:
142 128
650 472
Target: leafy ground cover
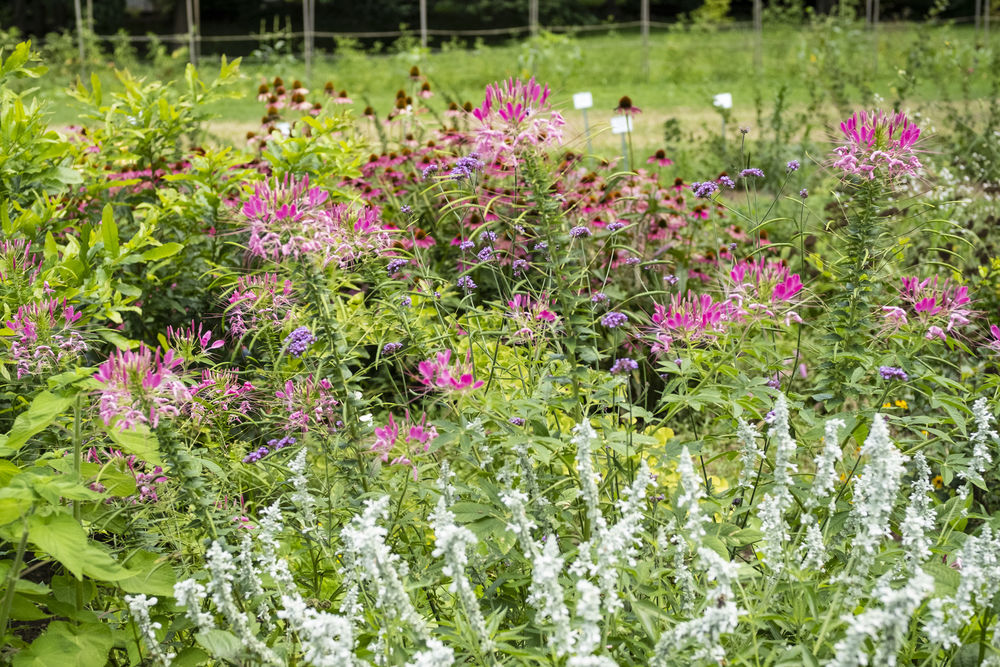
431 385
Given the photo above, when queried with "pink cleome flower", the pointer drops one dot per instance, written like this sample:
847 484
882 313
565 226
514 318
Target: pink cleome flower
994 341
44 337
290 220
690 319
194 338
533 318
140 387
147 482
417 439
759 289
19 267
936 308
222 393
878 144
439 373
258 301
309 404
515 117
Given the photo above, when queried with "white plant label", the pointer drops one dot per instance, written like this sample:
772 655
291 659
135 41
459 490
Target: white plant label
583 101
621 124
723 100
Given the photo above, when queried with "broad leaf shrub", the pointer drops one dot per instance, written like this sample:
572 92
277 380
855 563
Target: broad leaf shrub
477 398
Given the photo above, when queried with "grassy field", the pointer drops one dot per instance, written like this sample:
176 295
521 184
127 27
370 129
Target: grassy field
813 75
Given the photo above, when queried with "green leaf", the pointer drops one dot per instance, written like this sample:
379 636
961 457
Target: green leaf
24 609
116 339
162 251
109 231
192 656
650 617
95 84
42 412
68 645
219 643
60 536
139 441
155 576
8 471
15 502
23 586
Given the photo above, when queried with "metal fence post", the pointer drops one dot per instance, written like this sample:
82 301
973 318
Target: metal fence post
423 23
644 29
79 28
189 10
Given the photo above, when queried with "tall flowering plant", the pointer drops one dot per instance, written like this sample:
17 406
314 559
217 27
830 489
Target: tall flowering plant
516 116
878 149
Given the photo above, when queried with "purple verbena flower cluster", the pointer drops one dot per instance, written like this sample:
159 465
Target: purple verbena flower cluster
624 365
893 373
614 319
299 341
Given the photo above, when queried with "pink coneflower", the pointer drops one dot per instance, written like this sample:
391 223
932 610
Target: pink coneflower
626 107
514 117
660 158
439 373
342 98
140 386
878 144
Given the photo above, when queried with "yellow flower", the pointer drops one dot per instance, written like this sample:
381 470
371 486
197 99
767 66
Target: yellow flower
718 484
666 475
887 405
938 482
901 403
663 434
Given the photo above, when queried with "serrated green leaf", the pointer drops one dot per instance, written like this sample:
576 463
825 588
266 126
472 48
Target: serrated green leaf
68 645
219 643
43 411
154 575
60 536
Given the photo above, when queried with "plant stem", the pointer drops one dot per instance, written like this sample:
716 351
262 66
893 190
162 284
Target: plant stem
12 576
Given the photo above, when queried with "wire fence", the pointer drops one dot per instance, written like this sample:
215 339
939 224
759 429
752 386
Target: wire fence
194 39
435 32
